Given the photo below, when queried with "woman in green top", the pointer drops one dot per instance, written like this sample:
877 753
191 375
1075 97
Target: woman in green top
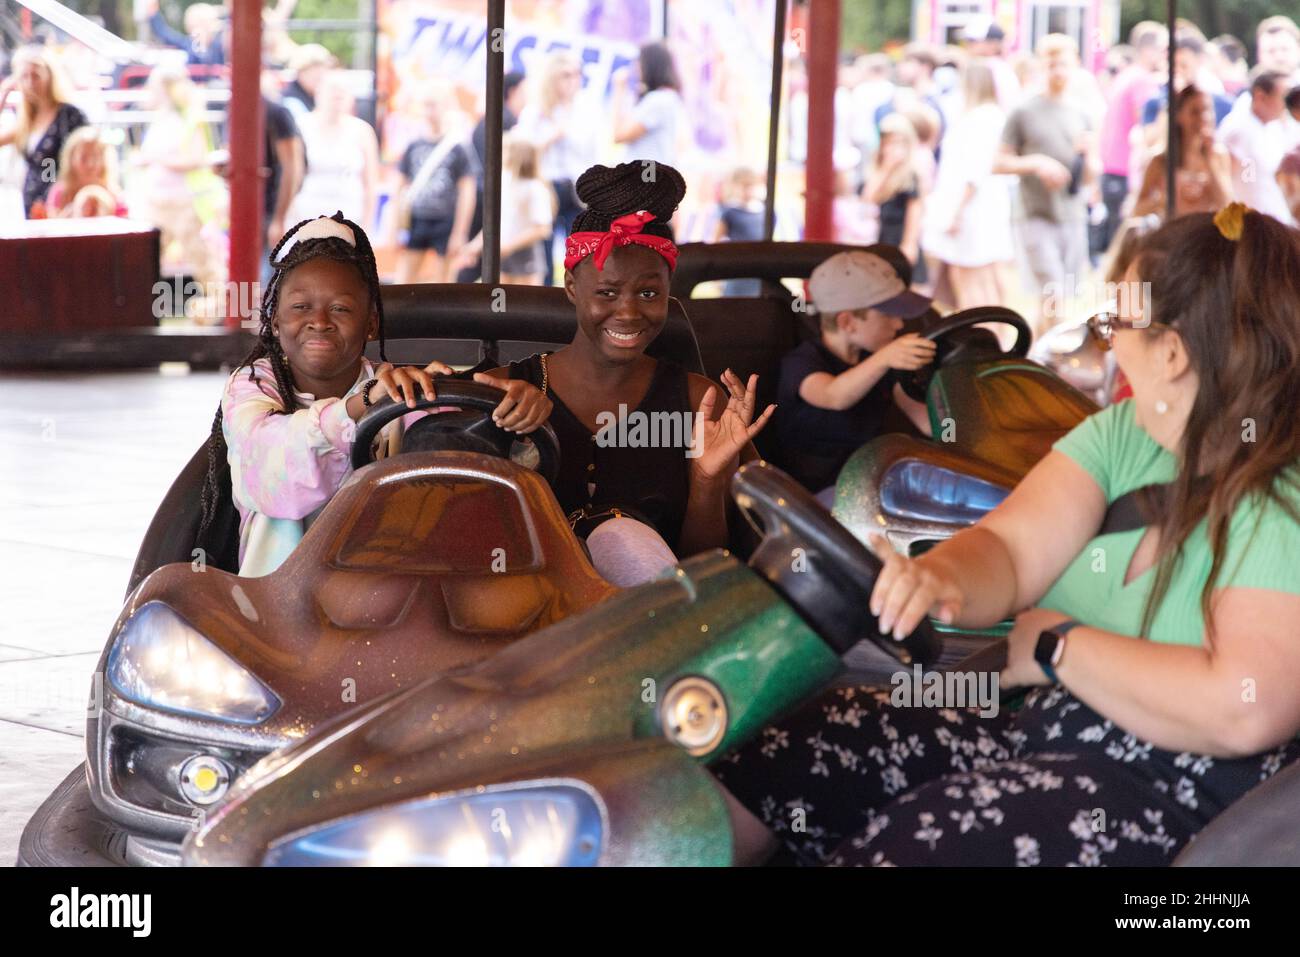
1170 676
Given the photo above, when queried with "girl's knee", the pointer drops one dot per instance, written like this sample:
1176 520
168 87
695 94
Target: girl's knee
626 552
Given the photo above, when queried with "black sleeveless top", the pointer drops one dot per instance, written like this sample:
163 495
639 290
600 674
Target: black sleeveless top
655 481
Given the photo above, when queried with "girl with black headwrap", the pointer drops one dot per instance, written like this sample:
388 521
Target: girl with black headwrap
647 449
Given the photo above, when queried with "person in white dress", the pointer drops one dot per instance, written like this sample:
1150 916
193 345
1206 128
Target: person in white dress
342 159
968 219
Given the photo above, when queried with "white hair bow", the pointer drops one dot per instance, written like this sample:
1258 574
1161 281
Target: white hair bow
322 227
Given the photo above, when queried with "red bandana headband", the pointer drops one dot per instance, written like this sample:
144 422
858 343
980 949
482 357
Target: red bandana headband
622 232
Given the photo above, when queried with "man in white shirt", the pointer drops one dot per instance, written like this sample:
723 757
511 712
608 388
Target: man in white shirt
1257 139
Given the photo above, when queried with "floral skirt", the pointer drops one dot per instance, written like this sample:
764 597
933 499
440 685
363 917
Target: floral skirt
851 780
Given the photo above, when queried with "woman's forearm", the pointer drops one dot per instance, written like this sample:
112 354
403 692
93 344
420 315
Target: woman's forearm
1171 695
980 564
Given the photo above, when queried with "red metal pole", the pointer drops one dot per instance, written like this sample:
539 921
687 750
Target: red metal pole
823 69
244 118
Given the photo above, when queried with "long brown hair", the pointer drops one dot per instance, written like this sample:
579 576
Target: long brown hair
1236 304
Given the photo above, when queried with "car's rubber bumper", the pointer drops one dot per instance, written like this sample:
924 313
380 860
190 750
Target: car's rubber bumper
68 830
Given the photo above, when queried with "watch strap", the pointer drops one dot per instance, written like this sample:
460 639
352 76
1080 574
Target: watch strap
1049 648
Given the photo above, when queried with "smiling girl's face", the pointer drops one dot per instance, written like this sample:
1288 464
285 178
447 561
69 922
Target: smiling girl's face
622 307
323 320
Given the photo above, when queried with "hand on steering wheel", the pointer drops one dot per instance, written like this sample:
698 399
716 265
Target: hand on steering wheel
916 384
907 590
819 567
406 383
468 425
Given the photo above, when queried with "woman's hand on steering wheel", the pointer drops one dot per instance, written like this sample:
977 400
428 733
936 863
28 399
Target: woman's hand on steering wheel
718 443
524 408
908 589
400 383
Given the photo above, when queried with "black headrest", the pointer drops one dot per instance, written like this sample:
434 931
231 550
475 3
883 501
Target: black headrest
503 313
707 262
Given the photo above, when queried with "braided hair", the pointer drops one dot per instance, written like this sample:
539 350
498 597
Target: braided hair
613 191
268 344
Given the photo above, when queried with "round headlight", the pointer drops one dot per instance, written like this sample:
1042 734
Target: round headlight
204 779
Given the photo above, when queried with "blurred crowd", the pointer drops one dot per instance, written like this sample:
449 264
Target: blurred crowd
320 154
983 167
991 171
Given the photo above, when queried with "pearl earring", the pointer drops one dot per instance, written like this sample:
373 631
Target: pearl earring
1161 406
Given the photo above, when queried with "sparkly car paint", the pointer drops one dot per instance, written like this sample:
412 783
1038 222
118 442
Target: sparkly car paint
421 563
580 701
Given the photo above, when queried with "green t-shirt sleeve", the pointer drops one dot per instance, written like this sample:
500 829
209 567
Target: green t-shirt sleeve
1264 544
1091 444
1118 454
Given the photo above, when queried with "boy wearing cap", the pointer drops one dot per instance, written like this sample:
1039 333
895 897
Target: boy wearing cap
832 397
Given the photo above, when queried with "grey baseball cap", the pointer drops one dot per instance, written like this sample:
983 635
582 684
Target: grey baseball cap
857 279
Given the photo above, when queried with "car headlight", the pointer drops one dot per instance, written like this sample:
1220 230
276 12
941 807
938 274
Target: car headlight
160 661
932 493
551 825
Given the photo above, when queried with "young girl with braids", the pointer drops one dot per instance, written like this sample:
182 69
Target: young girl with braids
288 413
640 504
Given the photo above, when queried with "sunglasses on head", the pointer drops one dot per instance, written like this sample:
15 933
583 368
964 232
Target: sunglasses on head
1102 327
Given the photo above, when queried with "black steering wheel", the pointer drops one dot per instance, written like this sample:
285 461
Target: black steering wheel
818 566
467 427
948 347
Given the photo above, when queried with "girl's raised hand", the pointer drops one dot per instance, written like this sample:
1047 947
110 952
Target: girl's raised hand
523 409
718 444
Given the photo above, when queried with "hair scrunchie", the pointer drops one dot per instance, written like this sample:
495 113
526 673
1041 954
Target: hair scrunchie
1231 220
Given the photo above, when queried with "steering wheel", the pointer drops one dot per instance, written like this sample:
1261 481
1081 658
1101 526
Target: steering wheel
818 566
467 427
917 383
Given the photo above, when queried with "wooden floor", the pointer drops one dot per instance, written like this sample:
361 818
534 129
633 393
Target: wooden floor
84 461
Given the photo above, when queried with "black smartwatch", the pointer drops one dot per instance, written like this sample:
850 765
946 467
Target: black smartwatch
1051 647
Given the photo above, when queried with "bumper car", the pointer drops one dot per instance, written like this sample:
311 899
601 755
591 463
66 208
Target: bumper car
421 563
588 743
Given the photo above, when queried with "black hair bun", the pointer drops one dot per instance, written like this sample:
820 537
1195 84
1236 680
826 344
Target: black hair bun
612 191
